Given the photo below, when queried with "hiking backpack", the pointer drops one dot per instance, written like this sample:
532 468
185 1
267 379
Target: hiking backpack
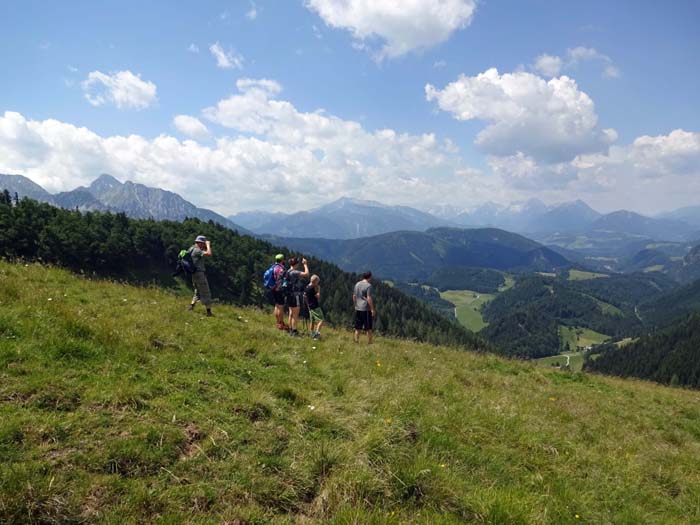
269 276
185 264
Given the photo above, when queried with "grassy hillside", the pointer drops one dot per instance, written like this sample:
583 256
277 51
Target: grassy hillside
118 406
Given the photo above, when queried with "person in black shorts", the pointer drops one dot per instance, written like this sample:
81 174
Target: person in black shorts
295 294
364 307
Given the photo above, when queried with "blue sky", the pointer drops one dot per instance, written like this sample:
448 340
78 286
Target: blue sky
425 103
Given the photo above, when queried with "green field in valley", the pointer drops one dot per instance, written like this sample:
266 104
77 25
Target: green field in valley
577 337
468 305
118 406
580 275
573 359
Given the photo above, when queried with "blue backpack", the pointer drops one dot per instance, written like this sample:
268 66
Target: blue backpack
269 276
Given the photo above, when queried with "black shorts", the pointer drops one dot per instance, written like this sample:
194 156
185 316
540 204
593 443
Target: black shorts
295 299
275 297
363 320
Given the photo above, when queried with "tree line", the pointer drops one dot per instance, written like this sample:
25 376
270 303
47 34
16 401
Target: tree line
145 251
671 356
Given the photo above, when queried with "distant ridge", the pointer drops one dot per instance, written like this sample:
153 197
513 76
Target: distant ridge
106 193
411 255
344 218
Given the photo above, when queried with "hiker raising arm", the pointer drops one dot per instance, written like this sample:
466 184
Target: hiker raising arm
200 249
295 292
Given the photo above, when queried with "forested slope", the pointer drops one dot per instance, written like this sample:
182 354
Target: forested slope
671 356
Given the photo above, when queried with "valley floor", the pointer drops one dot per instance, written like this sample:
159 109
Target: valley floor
118 406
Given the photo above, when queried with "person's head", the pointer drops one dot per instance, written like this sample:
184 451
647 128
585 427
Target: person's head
201 241
367 276
279 258
315 279
293 262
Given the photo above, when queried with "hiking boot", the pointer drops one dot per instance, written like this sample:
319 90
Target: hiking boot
282 326
294 333
209 314
190 308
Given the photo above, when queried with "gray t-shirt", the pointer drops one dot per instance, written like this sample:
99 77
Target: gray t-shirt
362 291
197 258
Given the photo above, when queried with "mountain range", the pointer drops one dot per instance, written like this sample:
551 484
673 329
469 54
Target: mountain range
106 193
345 218
415 256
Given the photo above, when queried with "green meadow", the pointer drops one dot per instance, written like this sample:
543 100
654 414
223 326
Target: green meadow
468 305
117 406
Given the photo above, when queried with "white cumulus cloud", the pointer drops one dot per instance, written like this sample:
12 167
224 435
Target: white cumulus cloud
124 89
550 121
226 59
548 65
274 158
190 126
401 26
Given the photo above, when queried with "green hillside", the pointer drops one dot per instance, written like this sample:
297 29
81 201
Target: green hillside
413 256
118 406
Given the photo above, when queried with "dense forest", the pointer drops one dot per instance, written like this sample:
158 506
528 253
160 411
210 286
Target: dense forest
670 306
144 251
482 280
671 356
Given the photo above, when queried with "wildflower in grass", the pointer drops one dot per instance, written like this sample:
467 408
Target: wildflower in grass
378 364
577 517
388 421
311 407
552 398
442 465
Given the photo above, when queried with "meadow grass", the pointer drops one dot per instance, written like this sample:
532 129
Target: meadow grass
468 305
118 406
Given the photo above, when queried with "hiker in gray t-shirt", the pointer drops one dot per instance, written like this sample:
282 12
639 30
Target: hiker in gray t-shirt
364 307
202 293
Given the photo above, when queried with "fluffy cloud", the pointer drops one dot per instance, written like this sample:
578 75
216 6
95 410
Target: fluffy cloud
123 89
549 121
402 26
276 157
190 126
226 59
548 65
551 66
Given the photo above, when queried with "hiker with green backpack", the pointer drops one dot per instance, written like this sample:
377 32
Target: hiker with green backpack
196 253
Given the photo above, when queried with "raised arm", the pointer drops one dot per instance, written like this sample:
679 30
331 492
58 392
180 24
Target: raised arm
305 273
207 252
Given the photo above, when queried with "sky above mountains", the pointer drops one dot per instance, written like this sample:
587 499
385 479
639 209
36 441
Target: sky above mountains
284 106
